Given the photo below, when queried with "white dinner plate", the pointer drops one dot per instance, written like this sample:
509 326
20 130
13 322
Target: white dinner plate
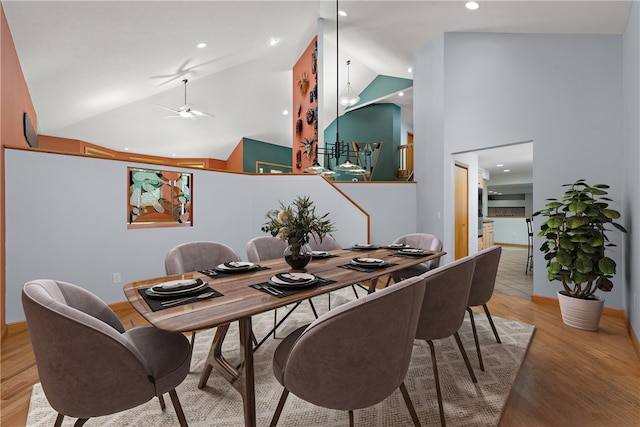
176 287
235 266
363 246
294 279
411 251
319 254
367 262
397 246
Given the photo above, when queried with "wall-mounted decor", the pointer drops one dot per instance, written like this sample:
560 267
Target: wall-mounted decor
30 134
303 83
159 198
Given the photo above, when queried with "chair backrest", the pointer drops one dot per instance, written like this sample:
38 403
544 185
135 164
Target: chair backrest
328 243
484 275
194 256
356 355
87 367
265 247
445 299
423 241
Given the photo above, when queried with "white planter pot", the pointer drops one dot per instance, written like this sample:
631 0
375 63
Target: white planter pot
581 313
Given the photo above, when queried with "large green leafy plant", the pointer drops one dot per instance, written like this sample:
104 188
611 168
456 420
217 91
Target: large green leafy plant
576 239
297 222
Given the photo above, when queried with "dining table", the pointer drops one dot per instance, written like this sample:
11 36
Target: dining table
235 297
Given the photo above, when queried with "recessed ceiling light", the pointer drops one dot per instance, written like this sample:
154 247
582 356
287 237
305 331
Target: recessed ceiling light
274 41
173 155
499 165
410 70
342 13
201 45
472 5
126 148
401 94
507 170
285 113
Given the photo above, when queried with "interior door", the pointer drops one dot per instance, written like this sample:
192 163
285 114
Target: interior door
461 200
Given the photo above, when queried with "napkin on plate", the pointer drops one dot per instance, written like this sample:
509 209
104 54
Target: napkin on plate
286 277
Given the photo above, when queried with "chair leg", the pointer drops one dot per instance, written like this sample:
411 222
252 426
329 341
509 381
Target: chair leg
176 405
388 281
464 356
409 403
313 308
493 327
354 291
351 423
475 337
161 400
437 379
59 419
281 402
80 422
193 340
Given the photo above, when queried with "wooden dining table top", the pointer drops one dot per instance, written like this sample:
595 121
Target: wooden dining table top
240 300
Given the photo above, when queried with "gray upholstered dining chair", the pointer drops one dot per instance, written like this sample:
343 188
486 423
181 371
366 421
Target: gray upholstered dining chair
265 247
482 285
419 241
353 357
88 365
195 256
329 243
443 310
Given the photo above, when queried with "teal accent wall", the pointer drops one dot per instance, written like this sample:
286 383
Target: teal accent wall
373 123
254 151
381 86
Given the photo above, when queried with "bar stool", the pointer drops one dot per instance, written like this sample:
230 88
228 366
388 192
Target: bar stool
529 266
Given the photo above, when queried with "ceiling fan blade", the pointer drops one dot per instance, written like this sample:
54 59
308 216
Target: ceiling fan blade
201 113
167 108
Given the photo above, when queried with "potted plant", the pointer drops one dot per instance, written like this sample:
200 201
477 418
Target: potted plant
575 245
295 224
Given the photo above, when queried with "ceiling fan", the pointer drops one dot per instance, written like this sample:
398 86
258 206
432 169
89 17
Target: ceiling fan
185 111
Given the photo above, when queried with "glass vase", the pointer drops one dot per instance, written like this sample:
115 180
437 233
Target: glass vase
297 255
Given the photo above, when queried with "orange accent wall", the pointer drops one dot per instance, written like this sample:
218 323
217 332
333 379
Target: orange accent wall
236 158
14 101
304 65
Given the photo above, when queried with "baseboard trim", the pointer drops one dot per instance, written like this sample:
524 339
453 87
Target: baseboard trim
607 311
634 340
513 245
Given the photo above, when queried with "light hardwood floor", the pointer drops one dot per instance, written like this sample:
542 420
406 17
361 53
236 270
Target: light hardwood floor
568 378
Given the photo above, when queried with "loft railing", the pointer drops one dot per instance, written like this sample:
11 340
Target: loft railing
405 154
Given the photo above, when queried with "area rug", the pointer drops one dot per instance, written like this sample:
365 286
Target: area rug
219 405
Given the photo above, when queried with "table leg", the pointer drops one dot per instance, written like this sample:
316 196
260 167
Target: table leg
247 384
372 285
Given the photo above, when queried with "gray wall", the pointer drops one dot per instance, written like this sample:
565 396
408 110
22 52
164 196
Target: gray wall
631 98
66 219
564 92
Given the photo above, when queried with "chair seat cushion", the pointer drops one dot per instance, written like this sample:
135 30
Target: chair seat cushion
281 354
168 355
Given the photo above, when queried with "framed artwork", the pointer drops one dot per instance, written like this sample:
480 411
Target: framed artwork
159 198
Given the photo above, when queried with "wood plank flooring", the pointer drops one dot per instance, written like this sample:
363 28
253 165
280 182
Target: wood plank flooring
569 377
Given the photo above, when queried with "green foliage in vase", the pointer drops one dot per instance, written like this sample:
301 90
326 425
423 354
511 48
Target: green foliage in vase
297 222
576 239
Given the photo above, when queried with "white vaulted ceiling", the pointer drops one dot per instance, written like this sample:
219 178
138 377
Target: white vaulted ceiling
96 71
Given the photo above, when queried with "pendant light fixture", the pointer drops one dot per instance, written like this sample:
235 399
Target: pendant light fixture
348 97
